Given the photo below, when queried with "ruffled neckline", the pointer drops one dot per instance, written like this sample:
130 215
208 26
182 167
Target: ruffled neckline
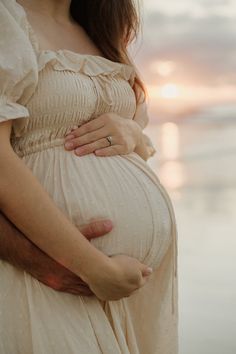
91 65
67 60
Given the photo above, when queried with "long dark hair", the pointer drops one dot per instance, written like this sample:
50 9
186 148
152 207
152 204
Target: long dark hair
112 25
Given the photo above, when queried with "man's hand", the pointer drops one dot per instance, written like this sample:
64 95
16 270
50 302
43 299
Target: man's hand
17 250
60 278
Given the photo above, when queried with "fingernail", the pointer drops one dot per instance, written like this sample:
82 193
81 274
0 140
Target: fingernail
79 151
69 131
69 137
107 223
68 145
149 270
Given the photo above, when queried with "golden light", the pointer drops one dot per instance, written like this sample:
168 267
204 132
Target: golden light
170 141
163 68
170 91
172 175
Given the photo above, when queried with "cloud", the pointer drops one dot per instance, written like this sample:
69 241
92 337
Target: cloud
204 47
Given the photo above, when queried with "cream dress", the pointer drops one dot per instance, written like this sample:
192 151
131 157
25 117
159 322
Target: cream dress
47 93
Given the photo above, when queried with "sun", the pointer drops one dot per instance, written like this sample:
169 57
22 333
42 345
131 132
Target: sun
170 91
163 68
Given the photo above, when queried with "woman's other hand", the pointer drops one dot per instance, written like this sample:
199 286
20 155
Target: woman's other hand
120 277
91 137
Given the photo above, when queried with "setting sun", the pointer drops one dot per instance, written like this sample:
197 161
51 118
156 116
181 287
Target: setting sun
163 68
170 91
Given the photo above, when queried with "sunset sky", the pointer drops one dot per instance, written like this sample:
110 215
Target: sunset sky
187 55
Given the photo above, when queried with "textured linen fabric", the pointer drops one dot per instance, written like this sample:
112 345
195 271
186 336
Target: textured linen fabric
46 93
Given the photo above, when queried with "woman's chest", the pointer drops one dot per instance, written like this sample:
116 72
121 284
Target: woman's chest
65 96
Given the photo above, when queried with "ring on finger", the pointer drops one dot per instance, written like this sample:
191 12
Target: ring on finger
109 139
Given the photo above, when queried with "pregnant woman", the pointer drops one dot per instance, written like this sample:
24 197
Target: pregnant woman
64 64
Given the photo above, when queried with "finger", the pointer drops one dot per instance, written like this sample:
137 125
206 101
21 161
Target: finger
143 282
71 130
96 228
89 148
146 271
87 138
79 291
110 151
88 127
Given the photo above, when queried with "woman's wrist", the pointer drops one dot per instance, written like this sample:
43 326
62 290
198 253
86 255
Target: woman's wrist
95 263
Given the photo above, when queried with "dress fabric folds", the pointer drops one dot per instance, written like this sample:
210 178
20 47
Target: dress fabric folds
46 93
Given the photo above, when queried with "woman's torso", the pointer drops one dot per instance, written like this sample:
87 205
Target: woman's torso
73 89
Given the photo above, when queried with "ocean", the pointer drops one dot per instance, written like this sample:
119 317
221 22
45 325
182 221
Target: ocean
196 162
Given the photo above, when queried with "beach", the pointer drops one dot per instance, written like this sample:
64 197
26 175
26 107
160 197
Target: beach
195 161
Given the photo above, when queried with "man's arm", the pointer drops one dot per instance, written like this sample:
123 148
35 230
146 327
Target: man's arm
19 251
14 247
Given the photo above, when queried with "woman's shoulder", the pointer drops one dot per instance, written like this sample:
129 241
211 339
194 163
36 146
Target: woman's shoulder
18 60
13 20
14 12
15 36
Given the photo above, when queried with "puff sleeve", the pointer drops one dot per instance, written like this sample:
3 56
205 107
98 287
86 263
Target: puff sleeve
18 65
142 118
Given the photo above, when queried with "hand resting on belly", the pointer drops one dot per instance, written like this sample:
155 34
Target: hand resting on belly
16 249
126 134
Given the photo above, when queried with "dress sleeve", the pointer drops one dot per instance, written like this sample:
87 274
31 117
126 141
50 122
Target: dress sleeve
18 65
142 118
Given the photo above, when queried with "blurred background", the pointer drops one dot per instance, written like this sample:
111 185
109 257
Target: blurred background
186 55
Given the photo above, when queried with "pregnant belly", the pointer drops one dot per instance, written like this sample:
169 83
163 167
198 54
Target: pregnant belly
91 187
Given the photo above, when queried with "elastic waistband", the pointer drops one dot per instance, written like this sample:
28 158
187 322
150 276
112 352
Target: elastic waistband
39 140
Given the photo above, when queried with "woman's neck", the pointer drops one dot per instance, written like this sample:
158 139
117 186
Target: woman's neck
59 10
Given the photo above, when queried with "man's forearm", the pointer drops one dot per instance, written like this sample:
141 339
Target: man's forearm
19 251
14 247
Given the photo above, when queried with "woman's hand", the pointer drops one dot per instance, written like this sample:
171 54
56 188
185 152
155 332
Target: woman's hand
91 137
121 276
